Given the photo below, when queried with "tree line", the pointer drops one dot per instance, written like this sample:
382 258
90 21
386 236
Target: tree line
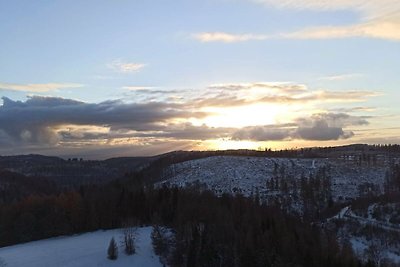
209 230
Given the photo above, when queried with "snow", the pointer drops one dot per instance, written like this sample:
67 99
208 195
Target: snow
360 245
230 174
360 242
393 256
342 213
89 249
348 213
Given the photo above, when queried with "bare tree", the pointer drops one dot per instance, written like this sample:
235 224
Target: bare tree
129 240
129 232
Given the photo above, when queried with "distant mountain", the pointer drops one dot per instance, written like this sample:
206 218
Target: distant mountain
75 172
72 172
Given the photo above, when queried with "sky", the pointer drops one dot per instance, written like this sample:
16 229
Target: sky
100 78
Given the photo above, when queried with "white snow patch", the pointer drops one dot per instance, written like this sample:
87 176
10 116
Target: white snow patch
359 246
89 249
231 174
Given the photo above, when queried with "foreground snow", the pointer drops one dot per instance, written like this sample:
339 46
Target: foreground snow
88 249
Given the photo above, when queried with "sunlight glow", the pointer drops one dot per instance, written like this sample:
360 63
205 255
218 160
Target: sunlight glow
223 144
257 114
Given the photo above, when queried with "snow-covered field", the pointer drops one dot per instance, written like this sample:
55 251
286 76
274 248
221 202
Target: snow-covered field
89 249
230 174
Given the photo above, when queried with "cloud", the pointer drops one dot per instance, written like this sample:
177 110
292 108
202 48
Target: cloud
35 120
328 126
333 119
379 19
383 28
367 7
353 109
38 87
151 90
125 67
283 87
321 131
188 131
318 127
207 37
138 88
225 95
341 77
51 122
265 133
238 94
342 96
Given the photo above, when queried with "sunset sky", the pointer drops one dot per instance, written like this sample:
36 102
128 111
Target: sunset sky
105 78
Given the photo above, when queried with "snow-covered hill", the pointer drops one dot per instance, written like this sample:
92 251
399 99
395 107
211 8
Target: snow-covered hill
346 179
84 250
230 174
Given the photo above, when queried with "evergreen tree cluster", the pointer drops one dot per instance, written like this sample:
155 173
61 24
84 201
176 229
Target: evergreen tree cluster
209 230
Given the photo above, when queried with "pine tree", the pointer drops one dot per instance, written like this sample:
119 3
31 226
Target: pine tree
112 250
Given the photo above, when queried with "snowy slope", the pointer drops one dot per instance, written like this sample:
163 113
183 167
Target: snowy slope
88 249
383 237
230 174
360 246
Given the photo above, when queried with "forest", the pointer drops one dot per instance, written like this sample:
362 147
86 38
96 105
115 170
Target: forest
208 230
231 230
